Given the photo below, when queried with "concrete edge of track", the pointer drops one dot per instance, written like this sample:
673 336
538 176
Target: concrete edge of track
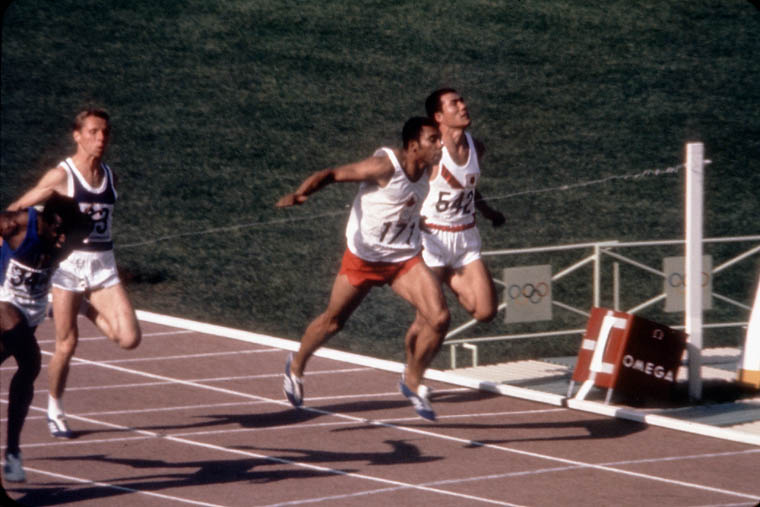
459 380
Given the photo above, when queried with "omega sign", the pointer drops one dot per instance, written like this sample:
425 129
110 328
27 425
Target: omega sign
628 354
648 368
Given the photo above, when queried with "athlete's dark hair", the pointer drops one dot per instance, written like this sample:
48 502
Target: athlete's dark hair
433 102
85 113
413 128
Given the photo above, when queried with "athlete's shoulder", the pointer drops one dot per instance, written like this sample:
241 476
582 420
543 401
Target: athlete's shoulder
56 178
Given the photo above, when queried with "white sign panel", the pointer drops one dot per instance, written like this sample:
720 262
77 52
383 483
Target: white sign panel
528 293
675 287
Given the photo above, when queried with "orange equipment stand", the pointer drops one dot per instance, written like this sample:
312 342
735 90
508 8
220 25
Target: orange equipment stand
627 353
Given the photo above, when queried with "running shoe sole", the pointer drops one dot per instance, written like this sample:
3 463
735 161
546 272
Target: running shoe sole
421 404
59 428
292 386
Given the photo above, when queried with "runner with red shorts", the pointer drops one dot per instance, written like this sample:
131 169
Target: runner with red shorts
383 247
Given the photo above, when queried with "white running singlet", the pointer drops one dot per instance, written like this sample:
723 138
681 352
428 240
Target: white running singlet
384 221
451 201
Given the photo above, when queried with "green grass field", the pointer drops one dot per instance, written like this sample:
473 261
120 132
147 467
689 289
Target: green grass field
219 107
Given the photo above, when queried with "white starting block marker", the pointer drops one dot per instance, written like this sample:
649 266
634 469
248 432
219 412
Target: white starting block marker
625 353
599 346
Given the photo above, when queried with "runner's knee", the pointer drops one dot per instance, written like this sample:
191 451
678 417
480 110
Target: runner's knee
130 340
331 324
440 319
484 313
66 344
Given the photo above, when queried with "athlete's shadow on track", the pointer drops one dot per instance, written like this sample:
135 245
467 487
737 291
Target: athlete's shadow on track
199 473
401 452
562 430
597 428
577 428
553 431
189 473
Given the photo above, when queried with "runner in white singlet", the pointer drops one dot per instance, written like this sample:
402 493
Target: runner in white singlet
451 237
383 247
384 222
450 240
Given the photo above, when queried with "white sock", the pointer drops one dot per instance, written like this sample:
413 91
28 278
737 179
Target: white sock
55 407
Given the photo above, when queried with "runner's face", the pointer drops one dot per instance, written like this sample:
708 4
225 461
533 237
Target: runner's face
453 111
92 138
430 145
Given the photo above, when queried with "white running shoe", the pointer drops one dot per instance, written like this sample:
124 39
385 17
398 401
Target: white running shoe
420 400
292 385
58 427
13 469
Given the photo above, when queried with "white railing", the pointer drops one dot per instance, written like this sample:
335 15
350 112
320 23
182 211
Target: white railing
600 250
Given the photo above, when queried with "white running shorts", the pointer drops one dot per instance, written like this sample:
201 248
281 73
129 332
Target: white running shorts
451 249
33 310
86 271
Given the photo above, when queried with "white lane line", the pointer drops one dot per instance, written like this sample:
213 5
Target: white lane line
710 455
617 412
147 359
204 380
434 483
206 406
418 431
458 481
491 477
257 455
103 337
300 427
575 463
293 427
402 485
274 459
202 355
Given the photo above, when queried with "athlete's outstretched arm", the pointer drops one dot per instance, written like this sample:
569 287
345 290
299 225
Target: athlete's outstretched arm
53 181
377 169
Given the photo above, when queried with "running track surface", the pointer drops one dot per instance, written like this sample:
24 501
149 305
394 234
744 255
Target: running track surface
198 419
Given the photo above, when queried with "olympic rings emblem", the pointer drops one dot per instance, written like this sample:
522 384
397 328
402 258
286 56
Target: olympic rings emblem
677 280
529 292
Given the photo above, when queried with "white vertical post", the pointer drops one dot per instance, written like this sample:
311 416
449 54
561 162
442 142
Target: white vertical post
597 276
693 272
